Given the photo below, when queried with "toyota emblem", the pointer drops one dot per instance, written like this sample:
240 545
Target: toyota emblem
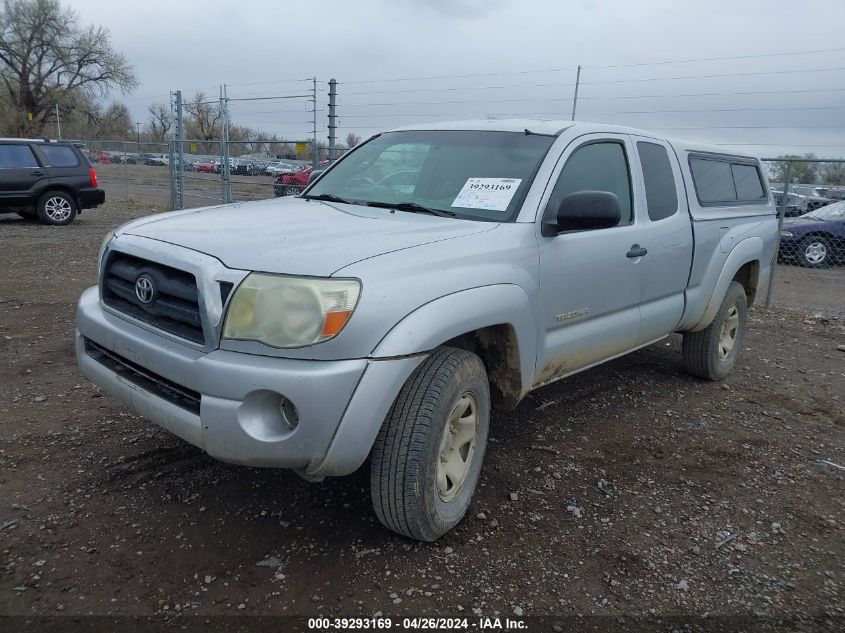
144 289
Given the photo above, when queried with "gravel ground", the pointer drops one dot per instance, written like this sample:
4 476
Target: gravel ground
627 490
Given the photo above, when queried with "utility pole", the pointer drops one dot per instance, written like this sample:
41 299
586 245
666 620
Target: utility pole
138 123
332 117
180 153
225 168
575 98
171 163
315 157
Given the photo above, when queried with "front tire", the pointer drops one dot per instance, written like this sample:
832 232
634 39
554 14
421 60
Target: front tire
711 353
56 208
814 252
428 454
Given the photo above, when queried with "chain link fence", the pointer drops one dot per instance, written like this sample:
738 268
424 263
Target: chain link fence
193 173
209 172
809 272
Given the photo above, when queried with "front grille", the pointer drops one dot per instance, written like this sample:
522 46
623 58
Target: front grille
144 378
174 306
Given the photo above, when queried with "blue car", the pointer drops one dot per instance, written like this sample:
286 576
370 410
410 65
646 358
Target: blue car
815 239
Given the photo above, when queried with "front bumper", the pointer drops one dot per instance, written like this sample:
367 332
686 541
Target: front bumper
340 404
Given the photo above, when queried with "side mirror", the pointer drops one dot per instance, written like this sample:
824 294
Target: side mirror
583 211
315 173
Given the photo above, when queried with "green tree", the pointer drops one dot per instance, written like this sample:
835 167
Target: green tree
802 171
47 56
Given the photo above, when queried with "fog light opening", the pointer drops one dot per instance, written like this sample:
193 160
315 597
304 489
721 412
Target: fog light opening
289 413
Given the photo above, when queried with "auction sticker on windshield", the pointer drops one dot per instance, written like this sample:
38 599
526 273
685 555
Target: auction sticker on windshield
492 194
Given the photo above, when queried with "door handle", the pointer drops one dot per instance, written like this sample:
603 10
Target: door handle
636 251
37 172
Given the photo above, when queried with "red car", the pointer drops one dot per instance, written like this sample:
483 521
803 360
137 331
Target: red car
291 184
204 166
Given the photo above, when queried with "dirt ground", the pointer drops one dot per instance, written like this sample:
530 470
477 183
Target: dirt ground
627 490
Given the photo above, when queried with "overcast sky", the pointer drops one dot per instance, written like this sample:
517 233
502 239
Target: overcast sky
521 53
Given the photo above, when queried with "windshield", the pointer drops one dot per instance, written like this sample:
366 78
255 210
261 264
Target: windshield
476 175
831 212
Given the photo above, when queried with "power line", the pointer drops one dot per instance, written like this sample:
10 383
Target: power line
719 75
518 114
612 81
718 59
454 88
274 82
569 99
598 67
501 74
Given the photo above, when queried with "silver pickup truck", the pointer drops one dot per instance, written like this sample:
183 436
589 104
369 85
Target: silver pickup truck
433 272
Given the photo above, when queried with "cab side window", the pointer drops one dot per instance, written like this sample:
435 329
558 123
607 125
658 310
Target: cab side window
660 190
16 156
601 166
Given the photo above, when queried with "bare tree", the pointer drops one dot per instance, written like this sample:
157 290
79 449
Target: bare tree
833 174
46 55
160 122
204 121
352 139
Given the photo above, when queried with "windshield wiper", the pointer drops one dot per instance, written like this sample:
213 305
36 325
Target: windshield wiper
412 207
328 197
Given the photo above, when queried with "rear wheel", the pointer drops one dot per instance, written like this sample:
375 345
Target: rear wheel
428 454
814 252
56 208
711 353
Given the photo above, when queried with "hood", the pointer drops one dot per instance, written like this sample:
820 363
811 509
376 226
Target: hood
296 236
801 225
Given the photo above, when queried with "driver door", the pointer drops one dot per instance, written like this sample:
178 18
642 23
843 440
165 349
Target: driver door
591 281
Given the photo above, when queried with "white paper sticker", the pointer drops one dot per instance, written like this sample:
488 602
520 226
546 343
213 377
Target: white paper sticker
493 194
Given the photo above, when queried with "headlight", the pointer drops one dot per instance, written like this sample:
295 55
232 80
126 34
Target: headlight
786 234
290 311
106 241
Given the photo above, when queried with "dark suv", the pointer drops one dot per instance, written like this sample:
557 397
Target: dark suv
50 180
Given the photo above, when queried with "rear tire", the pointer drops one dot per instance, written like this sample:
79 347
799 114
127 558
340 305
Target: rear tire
56 208
428 454
711 353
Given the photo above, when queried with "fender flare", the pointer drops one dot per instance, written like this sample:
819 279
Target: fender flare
748 250
451 315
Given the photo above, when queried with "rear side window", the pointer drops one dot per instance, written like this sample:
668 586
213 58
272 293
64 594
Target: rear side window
724 182
16 156
596 167
747 182
59 155
660 190
714 181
